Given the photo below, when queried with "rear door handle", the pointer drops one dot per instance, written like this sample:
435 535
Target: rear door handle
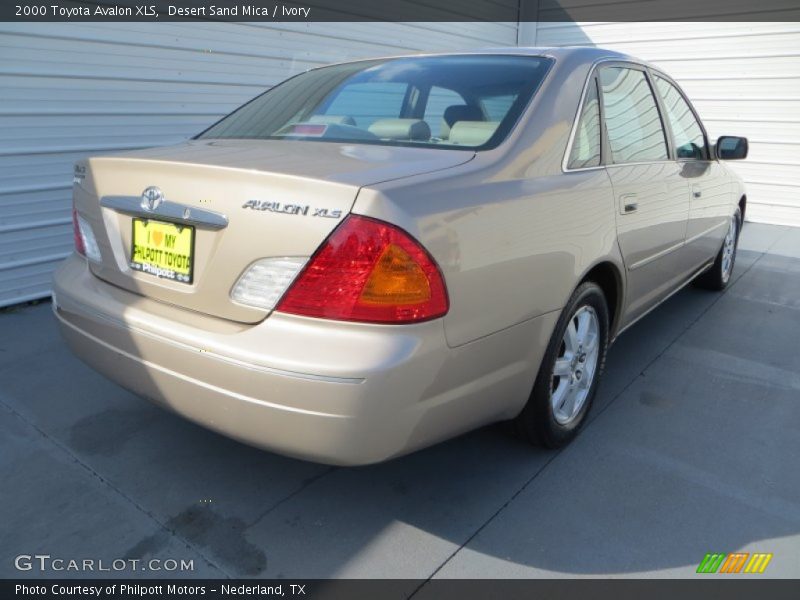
629 203
696 191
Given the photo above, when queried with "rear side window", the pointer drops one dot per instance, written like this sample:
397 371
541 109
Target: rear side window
689 139
635 132
586 145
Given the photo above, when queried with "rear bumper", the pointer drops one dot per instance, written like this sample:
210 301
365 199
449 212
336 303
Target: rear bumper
330 392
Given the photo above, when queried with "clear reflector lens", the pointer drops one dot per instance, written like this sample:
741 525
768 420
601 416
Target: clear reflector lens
89 241
265 281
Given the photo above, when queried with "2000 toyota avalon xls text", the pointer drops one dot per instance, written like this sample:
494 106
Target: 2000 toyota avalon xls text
375 256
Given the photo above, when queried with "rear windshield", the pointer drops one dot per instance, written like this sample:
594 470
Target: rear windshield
463 101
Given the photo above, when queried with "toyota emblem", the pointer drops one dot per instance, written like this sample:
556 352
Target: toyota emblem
151 198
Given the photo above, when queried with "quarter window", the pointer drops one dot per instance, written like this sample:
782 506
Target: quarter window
633 124
688 135
586 145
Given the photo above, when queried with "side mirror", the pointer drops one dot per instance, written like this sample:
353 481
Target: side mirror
730 147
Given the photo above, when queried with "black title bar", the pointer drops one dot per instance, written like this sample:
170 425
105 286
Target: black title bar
709 586
399 10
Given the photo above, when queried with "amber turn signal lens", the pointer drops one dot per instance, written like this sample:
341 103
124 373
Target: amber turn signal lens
396 279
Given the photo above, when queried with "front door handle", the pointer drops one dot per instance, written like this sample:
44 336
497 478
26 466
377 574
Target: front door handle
696 192
629 203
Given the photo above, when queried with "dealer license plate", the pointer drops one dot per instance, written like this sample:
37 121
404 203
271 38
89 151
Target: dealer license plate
163 249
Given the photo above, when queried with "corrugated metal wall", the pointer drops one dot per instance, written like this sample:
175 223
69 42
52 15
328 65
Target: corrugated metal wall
68 90
743 78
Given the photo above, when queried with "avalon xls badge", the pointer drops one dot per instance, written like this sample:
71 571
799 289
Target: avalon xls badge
292 209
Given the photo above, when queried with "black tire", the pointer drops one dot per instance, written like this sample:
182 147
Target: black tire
537 422
717 278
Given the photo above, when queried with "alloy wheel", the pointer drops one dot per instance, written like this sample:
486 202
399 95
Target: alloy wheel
729 248
575 367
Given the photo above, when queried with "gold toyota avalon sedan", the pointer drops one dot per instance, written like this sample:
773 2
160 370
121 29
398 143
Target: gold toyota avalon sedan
378 255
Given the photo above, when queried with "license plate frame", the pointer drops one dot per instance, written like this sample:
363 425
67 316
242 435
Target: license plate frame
153 268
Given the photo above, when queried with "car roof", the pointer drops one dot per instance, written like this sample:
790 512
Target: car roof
587 54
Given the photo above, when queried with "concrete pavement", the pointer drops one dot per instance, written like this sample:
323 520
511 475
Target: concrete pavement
693 447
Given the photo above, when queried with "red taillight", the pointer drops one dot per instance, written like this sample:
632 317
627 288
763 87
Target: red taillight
368 270
76 234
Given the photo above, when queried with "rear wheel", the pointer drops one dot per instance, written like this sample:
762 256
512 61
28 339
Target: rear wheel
719 275
567 380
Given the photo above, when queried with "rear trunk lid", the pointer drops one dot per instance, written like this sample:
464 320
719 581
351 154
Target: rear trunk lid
233 202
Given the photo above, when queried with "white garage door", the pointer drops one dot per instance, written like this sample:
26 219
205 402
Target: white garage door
68 90
743 78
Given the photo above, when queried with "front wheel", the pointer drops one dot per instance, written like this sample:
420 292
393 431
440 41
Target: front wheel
719 275
567 380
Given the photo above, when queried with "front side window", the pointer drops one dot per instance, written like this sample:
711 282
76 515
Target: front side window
688 135
633 124
460 101
586 145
